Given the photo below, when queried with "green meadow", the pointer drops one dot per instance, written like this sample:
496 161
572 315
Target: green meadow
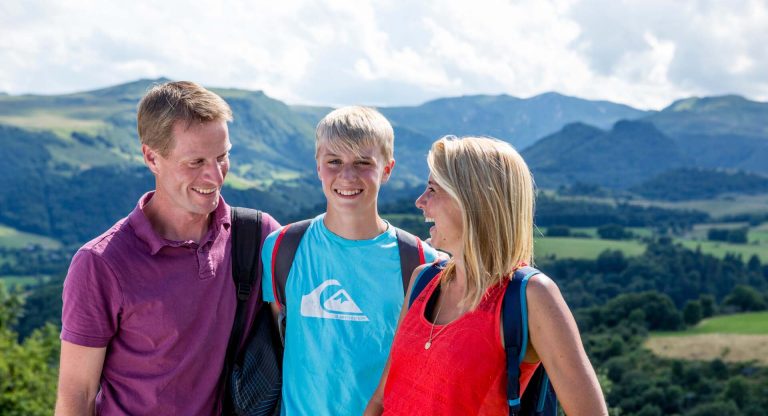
751 323
12 238
583 248
734 338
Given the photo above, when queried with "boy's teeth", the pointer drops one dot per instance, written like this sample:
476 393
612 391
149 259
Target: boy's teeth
348 193
428 219
204 190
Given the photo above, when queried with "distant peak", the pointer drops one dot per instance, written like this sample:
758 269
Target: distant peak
706 103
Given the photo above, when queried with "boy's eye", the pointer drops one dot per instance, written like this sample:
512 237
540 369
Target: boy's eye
334 162
197 162
363 162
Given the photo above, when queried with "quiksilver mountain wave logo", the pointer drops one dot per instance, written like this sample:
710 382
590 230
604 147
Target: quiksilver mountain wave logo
339 305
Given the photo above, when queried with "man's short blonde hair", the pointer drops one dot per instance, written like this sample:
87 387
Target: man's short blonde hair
349 129
167 103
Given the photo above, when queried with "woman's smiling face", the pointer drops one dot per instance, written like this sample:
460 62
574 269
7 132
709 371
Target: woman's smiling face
444 211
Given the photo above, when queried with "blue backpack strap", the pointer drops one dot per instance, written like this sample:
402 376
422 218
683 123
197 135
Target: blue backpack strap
515 323
423 279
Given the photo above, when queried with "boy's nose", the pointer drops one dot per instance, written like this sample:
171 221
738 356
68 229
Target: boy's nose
347 172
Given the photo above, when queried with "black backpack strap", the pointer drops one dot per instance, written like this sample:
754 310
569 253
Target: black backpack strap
423 279
411 255
245 251
282 257
515 323
246 224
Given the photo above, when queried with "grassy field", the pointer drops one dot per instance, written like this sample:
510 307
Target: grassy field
583 248
12 238
11 281
739 337
591 247
62 125
719 249
718 207
752 323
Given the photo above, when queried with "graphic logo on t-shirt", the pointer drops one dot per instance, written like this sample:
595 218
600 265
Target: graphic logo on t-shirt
338 306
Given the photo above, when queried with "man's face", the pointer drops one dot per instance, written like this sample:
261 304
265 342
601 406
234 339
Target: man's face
351 181
190 177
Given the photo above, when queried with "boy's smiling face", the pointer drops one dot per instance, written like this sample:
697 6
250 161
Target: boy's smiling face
351 180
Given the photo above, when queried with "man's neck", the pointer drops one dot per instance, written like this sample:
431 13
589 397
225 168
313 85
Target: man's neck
175 226
354 226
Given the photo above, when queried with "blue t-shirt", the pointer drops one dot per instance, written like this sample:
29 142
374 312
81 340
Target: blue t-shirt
343 299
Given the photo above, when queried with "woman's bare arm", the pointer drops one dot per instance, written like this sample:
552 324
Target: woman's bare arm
555 337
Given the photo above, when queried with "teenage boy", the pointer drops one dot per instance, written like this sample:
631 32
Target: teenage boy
345 290
149 304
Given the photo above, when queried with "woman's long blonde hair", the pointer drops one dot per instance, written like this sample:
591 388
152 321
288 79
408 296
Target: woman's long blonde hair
494 189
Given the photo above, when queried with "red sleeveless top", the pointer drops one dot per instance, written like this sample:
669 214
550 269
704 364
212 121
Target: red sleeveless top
464 372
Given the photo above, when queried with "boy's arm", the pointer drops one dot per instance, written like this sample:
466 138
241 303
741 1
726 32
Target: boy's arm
79 374
375 404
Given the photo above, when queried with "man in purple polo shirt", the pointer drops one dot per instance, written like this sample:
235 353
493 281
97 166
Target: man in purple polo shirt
149 304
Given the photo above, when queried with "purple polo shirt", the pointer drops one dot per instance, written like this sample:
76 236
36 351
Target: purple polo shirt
163 309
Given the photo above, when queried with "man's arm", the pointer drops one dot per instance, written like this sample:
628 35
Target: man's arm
79 375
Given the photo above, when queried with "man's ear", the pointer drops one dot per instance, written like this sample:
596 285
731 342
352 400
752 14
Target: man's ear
388 171
150 158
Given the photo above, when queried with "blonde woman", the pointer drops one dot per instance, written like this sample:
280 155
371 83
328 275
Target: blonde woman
447 357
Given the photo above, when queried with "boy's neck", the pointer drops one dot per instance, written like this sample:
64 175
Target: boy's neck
354 226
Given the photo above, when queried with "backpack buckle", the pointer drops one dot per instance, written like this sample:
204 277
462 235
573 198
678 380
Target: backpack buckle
243 291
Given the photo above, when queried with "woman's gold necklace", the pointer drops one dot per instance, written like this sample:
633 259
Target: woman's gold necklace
431 338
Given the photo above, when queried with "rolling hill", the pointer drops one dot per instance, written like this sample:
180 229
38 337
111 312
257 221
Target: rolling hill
71 163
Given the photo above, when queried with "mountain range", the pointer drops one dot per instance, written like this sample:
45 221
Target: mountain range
71 163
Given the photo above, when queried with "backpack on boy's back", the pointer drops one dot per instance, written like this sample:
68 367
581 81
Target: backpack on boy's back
539 398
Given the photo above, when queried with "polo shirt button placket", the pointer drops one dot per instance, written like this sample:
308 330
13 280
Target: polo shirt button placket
204 262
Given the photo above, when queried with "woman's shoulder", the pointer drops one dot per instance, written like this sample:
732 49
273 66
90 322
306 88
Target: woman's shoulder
541 288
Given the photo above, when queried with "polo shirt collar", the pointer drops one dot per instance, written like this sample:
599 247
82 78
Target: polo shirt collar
144 231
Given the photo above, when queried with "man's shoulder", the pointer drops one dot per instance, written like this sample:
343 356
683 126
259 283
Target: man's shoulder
118 234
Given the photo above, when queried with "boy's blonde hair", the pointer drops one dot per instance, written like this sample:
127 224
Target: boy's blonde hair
167 103
348 129
494 189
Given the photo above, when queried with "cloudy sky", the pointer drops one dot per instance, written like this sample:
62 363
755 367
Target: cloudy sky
645 53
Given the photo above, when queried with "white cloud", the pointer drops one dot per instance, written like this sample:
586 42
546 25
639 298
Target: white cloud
641 52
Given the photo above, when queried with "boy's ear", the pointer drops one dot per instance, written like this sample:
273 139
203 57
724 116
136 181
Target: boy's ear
388 171
150 158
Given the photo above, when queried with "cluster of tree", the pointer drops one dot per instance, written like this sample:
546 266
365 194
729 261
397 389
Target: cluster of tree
28 369
665 267
577 213
34 260
638 383
606 232
695 183
730 235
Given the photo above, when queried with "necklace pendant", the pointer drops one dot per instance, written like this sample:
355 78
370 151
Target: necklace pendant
427 345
